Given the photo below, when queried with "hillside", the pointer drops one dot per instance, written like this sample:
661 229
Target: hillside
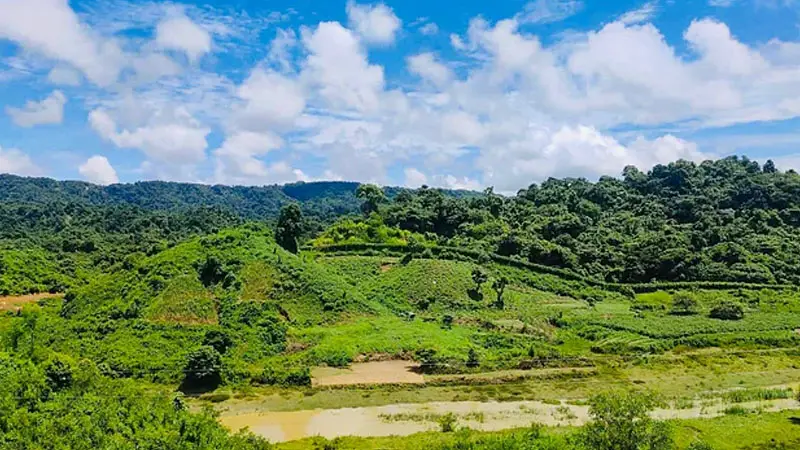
684 281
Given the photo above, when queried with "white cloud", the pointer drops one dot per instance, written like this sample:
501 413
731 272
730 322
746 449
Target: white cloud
338 67
181 34
64 76
280 49
428 68
98 170
272 100
45 112
642 14
169 137
576 151
414 178
15 162
720 51
375 24
429 29
721 3
51 28
237 160
548 11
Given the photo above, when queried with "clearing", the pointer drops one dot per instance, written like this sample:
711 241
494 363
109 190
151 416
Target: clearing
15 302
378 372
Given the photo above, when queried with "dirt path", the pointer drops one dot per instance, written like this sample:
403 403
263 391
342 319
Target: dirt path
15 302
379 372
405 419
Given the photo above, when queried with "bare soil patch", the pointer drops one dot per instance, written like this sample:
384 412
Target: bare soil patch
377 372
15 302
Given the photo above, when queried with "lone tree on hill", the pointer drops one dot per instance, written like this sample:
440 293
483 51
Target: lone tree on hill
372 195
479 277
289 227
499 287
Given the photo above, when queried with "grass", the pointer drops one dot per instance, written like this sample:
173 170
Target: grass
186 301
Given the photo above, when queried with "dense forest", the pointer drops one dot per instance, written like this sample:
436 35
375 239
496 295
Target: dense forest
726 220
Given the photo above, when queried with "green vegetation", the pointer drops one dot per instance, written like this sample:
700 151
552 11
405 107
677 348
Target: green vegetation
683 280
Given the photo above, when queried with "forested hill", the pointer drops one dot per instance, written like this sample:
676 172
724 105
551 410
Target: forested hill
323 200
725 220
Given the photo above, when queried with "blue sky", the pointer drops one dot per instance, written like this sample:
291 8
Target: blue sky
456 94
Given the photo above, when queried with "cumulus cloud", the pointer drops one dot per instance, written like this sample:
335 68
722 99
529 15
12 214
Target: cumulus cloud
47 111
52 29
15 162
181 34
375 24
428 68
237 161
337 66
170 137
271 100
98 170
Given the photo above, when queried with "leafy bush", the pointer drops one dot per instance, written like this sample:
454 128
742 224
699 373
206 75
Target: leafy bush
727 311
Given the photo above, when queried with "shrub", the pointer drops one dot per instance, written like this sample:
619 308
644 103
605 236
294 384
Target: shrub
59 373
448 422
683 304
727 311
203 368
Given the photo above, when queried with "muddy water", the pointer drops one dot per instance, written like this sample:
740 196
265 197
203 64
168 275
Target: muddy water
405 419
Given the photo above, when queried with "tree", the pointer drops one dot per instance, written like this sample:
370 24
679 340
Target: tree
372 196
726 310
203 368
769 167
683 304
499 287
289 227
479 277
621 421
472 358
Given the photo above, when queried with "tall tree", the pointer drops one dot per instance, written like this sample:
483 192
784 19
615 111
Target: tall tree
372 196
289 227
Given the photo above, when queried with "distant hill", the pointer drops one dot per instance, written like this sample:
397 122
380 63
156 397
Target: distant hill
324 200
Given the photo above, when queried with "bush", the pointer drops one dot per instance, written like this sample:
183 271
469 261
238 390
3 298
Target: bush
448 422
203 368
727 311
59 373
683 304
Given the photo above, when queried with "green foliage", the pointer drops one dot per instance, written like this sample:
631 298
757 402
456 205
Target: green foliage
683 304
203 369
372 197
621 421
448 423
289 227
727 311
93 411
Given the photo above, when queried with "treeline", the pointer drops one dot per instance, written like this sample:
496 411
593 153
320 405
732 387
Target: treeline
723 221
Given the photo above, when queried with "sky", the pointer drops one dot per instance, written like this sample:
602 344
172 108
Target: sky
466 94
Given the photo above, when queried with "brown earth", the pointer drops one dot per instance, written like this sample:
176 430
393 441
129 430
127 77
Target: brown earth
377 372
15 302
